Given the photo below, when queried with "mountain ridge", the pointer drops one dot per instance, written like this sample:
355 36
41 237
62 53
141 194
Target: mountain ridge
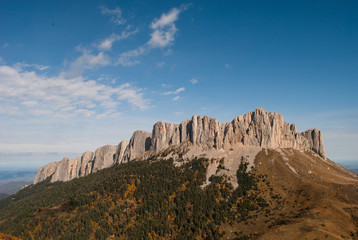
253 178
258 128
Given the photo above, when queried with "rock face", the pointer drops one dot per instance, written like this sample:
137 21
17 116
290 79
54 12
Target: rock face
120 151
86 164
104 157
258 128
140 143
46 171
68 169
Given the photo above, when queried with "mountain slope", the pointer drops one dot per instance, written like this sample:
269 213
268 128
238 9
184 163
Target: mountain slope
289 194
319 197
133 201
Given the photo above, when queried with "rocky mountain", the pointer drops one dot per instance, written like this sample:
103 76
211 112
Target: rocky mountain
259 128
253 178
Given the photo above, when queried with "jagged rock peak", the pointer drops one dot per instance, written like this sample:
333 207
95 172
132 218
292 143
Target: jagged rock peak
258 128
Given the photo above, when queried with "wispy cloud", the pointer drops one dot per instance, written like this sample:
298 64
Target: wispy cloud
27 92
88 61
125 59
5 45
179 90
34 65
163 35
115 14
106 44
194 81
2 61
98 55
176 98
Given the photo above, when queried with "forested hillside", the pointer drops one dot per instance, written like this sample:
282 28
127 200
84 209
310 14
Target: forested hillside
136 200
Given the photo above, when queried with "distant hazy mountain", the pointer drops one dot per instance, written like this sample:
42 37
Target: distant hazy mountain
12 181
12 187
17 175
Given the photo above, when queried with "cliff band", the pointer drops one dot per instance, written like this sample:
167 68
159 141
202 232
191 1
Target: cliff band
259 128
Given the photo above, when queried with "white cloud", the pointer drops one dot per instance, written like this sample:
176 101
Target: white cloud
125 59
174 92
166 19
26 92
132 95
176 98
88 61
163 35
227 66
194 81
162 38
164 29
5 45
2 61
116 15
35 66
107 43
108 114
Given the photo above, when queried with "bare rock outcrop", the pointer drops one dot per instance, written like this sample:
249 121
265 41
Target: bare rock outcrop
122 146
315 141
104 157
258 128
86 164
66 170
139 143
46 171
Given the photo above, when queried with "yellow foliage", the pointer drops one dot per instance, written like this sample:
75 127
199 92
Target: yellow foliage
171 197
130 189
7 237
182 187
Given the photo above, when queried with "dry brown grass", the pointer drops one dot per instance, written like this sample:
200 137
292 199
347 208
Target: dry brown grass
310 198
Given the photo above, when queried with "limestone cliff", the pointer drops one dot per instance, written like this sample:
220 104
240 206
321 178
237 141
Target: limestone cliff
258 128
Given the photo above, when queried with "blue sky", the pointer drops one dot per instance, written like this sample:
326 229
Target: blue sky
76 75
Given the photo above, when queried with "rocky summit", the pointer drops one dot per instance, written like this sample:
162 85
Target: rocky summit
259 129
